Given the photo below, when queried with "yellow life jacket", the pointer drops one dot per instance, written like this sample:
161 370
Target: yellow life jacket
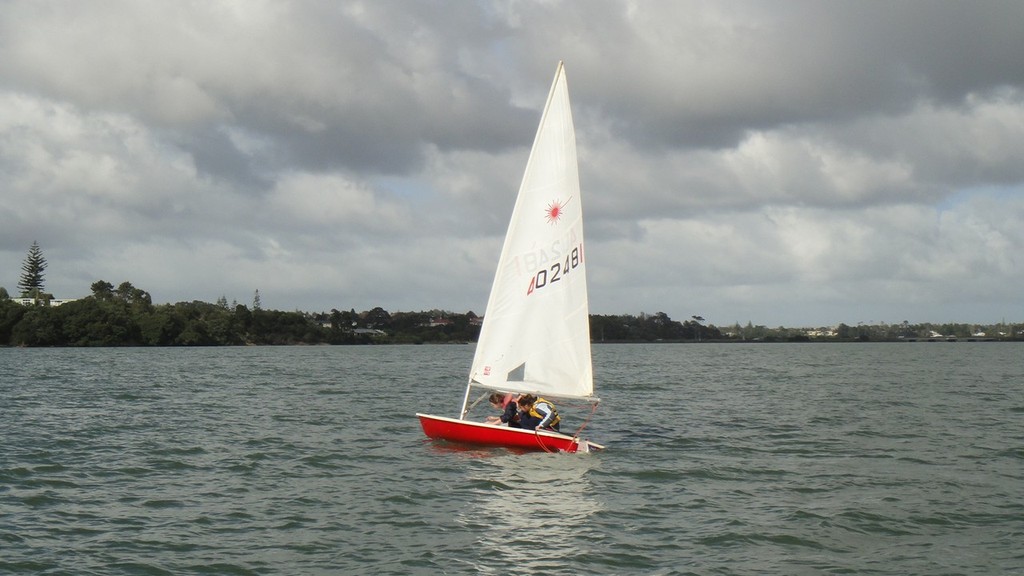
554 420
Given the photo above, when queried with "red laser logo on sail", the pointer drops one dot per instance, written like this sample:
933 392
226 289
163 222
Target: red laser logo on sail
554 211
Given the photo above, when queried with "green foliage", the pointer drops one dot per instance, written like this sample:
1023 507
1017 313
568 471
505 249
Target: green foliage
126 316
38 327
649 328
31 283
11 314
102 290
95 323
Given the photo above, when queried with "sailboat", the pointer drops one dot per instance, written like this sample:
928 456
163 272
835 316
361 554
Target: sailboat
535 337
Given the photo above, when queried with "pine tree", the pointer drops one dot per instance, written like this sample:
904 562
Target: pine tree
31 283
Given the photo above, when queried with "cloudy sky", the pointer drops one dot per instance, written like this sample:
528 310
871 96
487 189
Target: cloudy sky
782 163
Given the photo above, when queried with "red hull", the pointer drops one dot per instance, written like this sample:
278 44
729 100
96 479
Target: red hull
467 432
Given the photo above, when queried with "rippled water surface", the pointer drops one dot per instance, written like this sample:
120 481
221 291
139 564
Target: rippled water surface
899 459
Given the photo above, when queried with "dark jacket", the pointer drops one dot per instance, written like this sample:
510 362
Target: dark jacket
511 414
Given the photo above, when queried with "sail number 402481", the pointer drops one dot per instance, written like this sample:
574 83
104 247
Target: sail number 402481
557 271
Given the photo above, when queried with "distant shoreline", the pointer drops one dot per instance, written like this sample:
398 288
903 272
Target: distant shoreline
595 343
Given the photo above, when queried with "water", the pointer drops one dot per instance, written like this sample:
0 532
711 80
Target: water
899 459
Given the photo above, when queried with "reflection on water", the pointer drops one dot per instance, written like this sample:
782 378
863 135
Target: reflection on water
529 511
472 450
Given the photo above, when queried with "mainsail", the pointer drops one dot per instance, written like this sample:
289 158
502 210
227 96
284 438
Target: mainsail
536 332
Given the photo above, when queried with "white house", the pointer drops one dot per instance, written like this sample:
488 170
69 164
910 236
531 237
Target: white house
52 301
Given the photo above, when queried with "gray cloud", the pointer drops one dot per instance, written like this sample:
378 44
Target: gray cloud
785 163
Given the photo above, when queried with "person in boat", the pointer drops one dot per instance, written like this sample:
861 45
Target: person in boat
537 413
509 410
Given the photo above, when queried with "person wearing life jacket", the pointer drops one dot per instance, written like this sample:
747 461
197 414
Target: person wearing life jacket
537 413
509 410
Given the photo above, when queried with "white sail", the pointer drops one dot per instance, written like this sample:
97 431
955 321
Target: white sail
536 330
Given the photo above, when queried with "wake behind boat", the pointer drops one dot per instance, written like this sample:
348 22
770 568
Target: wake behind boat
535 337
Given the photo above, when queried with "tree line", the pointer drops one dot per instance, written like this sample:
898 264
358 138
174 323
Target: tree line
126 316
